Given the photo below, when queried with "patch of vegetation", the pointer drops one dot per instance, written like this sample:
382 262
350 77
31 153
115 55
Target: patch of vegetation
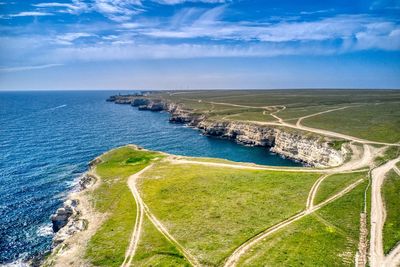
391 228
114 198
390 153
212 210
335 183
155 250
328 237
372 122
337 144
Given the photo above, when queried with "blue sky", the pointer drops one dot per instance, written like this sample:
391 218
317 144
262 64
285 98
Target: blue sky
193 44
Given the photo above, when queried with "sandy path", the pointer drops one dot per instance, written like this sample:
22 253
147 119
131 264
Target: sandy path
130 253
235 256
378 213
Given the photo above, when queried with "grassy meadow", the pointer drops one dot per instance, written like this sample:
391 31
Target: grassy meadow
335 183
328 237
212 210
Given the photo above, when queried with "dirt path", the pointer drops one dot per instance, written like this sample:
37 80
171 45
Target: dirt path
378 213
245 167
141 210
130 253
393 258
235 256
313 192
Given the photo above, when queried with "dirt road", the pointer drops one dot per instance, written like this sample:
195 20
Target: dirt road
130 253
378 213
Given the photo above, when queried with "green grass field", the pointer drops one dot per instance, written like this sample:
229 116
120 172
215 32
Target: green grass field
328 237
212 210
372 122
155 250
335 183
114 198
391 228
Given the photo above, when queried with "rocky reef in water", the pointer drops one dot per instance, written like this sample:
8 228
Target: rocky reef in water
298 145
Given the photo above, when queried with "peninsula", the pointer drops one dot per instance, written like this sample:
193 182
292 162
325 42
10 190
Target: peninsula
136 207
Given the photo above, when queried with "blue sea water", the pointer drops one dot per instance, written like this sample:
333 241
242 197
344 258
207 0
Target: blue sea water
47 139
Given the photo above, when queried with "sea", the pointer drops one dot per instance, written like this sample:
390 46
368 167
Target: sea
47 139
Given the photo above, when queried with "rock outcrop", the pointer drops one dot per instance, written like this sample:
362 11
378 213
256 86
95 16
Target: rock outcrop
295 144
67 220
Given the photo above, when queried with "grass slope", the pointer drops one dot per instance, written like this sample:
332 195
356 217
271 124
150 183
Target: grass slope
391 228
328 237
335 183
108 245
212 210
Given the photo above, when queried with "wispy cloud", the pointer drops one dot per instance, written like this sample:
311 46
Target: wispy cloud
174 2
25 68
75 7
118 10
68 38
30 14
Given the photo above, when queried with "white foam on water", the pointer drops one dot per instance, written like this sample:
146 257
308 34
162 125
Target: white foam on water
17 263
58 107
45 230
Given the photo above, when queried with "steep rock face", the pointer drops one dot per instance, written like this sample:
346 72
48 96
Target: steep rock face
289 143
310 150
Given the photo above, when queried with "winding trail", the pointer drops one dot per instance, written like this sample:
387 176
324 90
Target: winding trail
378 214
298 123
313 192
141 210
235 256
130 253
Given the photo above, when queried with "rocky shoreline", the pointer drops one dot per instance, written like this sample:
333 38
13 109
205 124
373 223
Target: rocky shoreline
308 148
67 220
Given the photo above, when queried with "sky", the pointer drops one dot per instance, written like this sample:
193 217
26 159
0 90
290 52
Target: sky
199 44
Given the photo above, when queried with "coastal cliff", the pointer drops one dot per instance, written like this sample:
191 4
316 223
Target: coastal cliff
291 143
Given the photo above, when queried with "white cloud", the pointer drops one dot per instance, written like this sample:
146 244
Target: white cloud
68 38
24 68
174 2
118 10
75 7
30 14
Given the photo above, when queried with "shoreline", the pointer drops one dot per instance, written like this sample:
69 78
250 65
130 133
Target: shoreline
297 145
79 225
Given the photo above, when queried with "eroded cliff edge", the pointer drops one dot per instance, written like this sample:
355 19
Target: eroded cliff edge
291 143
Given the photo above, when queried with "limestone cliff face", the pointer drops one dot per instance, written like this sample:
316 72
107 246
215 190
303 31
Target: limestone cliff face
293 144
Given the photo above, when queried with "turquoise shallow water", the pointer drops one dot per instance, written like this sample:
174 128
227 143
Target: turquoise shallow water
47 138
